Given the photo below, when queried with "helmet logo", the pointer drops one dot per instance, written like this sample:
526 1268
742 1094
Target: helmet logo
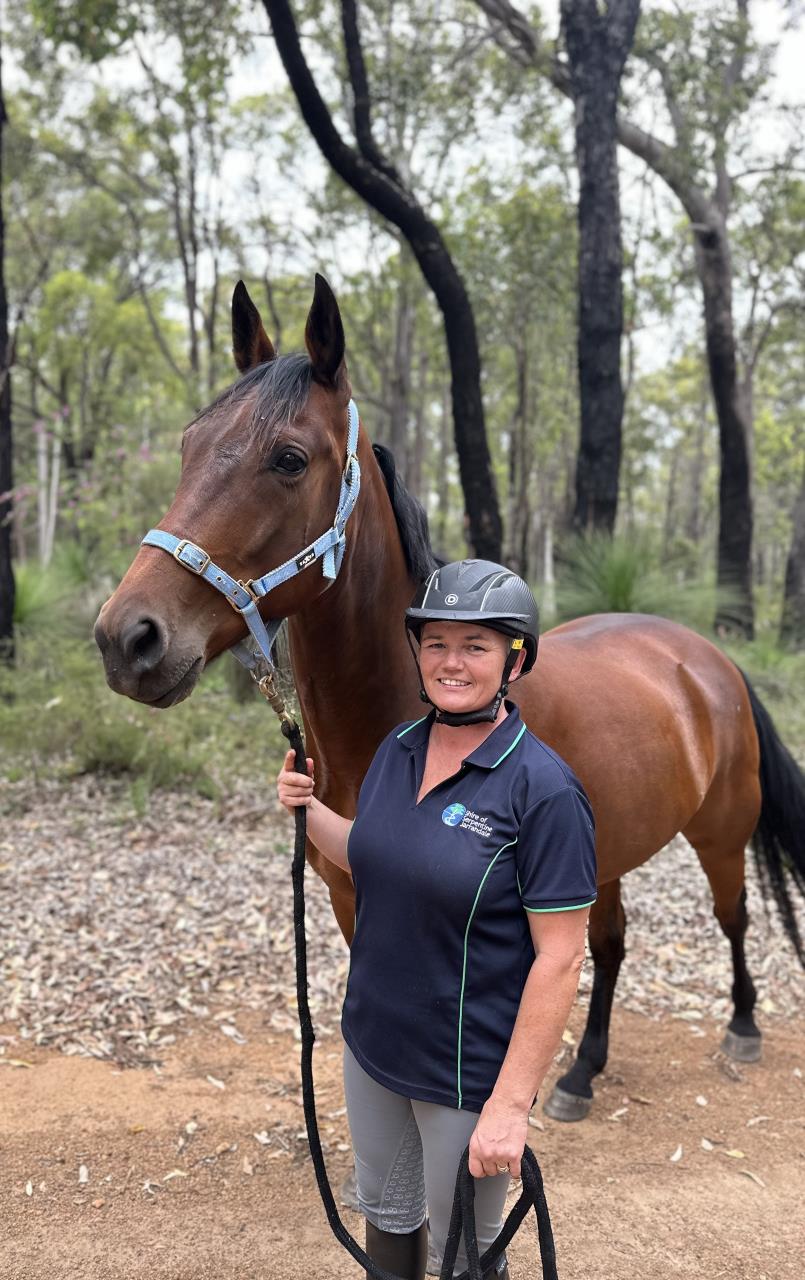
451 599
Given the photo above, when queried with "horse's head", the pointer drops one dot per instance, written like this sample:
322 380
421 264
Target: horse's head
260 480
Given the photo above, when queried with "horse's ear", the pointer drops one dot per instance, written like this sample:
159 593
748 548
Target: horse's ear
251 344
324 335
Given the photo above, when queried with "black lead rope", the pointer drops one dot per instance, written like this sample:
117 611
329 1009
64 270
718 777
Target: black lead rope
463 1213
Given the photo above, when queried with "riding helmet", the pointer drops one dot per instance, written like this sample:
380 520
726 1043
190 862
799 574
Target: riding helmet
484 592
478 591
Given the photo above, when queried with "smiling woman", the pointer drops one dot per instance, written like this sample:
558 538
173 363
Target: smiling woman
473 859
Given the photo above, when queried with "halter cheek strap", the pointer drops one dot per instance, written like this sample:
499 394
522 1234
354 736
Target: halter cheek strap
244 596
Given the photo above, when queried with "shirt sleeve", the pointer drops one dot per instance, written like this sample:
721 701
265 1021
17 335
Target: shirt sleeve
556 865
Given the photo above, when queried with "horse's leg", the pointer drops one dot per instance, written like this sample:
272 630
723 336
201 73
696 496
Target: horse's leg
725 871
572 1095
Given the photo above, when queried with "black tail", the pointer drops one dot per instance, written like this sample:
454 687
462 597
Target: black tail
779 839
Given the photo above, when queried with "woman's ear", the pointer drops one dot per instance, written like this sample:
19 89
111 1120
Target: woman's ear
518 666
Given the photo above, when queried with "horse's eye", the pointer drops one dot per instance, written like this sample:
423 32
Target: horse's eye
289 463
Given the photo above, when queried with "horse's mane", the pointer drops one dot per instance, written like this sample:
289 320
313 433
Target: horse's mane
280 389
412 522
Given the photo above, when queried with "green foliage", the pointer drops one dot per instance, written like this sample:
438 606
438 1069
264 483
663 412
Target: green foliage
627 575
57 713
779 678
46 596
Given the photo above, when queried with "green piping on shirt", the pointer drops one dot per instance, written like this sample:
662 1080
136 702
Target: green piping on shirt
544 911
511 748
410 727
464 964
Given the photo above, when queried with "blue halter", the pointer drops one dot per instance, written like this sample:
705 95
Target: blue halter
243 596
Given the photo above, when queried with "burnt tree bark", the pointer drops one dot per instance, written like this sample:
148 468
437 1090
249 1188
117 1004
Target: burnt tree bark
376 180
792 626
6 473
708 211
598 40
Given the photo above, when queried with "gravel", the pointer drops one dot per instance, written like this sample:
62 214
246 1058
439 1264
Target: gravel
116 929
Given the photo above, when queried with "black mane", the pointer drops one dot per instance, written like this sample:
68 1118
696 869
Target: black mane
280 387
412 522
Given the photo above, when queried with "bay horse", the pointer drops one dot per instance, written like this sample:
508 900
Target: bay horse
661 727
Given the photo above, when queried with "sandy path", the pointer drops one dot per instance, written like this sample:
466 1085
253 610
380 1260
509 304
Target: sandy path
246 1210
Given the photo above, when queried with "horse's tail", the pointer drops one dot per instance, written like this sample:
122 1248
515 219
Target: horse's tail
779 839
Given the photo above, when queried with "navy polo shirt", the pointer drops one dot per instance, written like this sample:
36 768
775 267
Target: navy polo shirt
442 945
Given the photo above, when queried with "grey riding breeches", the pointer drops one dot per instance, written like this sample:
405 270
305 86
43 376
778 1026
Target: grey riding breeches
406 1159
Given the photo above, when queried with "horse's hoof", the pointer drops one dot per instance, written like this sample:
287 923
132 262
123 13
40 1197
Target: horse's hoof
742 1048
348 1193
566 1106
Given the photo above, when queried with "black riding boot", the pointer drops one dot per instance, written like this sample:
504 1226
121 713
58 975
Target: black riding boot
500 1271
402 1255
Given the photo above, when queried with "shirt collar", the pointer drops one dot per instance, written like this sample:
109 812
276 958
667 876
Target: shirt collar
491 752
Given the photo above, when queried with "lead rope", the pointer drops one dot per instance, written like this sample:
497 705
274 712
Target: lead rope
463 1213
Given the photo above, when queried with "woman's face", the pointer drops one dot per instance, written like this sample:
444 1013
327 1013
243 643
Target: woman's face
462 664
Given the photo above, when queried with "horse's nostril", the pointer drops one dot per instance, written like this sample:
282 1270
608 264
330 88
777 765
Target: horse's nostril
144 643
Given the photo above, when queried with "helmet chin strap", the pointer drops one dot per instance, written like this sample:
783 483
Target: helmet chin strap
484 715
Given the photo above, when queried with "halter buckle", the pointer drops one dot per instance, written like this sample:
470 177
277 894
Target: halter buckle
250 591
187 564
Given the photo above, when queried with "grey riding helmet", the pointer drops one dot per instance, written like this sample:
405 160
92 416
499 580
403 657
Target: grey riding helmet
484 592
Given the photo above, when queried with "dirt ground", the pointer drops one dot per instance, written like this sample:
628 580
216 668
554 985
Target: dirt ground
198 1170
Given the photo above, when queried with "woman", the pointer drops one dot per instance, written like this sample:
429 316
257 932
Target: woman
473 857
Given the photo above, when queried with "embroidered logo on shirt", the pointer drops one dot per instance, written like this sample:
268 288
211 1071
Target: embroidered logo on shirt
453 814
458 815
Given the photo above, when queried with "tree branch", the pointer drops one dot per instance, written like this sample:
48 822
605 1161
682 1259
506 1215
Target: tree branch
361 97
659 156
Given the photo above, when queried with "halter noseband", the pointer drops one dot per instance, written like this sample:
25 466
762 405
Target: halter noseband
243 596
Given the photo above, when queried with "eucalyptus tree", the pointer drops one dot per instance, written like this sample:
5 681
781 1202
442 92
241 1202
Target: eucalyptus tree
598 39
378 170
154 145
708 71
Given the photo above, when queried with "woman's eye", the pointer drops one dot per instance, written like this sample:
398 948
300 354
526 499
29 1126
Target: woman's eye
289 463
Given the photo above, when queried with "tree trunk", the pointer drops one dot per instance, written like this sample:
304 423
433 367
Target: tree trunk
377 182
598 40
693 525
734 572
417 459
792 626
6 472
708 222
442 488
400 380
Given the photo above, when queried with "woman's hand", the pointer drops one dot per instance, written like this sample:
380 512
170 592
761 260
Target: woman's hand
294 789
498 1140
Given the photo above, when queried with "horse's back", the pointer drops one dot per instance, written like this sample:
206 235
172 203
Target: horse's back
650 715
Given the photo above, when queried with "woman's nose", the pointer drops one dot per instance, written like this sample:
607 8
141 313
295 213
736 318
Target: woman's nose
453 659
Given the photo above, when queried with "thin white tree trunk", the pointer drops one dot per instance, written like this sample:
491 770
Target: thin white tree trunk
53 497
548 579
41 490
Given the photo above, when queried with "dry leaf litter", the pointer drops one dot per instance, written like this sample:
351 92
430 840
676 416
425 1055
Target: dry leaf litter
117 929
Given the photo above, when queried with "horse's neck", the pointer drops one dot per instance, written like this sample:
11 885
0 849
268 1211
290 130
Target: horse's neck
353 670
